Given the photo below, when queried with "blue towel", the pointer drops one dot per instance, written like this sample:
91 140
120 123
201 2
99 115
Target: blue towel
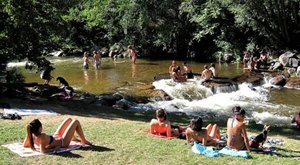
233 152
200 149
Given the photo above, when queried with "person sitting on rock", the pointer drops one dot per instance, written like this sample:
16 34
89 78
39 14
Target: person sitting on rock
206 74
187 71
213 70
176 75
246 58
296 119
172 67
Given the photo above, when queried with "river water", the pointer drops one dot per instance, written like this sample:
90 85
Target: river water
264 105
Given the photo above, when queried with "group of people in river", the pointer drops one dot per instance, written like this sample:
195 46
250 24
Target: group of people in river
97 56
253 62
207 74
209 136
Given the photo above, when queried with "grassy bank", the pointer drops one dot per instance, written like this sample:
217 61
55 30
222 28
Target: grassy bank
119 138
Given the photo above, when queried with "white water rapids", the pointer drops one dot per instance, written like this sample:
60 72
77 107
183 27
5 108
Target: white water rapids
193 98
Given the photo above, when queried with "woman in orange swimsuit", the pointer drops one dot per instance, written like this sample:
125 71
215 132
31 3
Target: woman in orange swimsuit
236 130
161 125
61 138
206 136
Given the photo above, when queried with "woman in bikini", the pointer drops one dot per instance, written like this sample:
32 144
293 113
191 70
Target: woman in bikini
206 136
236 130
61 138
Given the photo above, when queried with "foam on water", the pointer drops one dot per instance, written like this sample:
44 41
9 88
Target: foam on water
52 60
16 64
201 101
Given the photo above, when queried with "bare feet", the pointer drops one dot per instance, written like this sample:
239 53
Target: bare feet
86 143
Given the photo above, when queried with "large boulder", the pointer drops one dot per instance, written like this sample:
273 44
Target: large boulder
252 77
289 59
278 80
284 58
293 83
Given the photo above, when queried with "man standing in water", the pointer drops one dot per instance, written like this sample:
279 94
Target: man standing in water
132 53
97 59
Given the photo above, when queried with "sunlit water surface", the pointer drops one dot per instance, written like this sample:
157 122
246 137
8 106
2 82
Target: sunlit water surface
264 105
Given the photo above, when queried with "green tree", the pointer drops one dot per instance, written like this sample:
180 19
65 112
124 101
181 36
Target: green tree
31 28
276 20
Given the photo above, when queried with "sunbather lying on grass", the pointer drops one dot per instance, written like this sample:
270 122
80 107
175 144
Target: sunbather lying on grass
62 137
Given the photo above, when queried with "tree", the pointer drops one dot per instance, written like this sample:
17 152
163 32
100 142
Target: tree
31 28
276 20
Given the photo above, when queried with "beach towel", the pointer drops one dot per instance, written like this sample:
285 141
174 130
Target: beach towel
235 153
24 112
27 152
206 151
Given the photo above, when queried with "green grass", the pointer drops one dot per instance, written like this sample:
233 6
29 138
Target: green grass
119 138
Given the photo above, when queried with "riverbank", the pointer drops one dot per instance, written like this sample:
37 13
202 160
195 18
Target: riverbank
119 137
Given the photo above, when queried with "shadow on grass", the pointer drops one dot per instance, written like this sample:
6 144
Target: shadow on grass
292 153
85 109
70 154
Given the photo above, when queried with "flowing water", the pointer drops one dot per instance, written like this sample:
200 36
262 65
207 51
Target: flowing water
263 105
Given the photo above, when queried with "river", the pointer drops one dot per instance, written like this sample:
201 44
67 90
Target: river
264 105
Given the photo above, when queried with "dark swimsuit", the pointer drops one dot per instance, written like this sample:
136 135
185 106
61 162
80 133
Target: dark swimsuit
51 139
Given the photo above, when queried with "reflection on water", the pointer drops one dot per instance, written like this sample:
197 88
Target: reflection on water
85 76
113 74
133 70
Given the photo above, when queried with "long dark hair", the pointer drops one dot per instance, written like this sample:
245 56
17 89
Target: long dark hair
237 110
196 124
33 128
161 113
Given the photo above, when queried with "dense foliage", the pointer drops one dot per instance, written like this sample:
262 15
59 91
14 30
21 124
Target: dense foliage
199 29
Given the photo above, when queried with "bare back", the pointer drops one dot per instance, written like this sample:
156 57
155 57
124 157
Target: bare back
235 135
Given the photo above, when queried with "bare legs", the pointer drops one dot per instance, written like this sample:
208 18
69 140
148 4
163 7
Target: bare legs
213 131
67 129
